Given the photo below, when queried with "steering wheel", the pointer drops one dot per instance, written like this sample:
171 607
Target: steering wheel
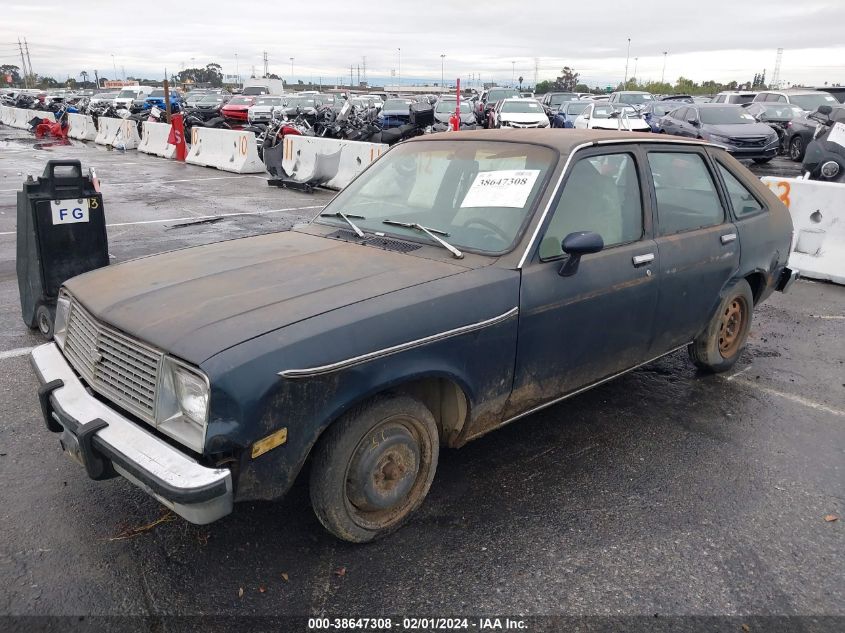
491 227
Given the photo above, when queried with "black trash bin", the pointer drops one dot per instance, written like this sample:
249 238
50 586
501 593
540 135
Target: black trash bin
61 233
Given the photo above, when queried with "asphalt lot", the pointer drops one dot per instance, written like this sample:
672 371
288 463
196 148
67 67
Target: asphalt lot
664 492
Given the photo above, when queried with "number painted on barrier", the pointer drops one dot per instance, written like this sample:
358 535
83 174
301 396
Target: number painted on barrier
243 145
782 190
194 134
93 203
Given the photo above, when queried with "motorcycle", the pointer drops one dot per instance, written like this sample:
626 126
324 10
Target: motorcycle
193 118
824 159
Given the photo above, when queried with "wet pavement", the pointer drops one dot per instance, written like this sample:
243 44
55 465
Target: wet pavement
663 492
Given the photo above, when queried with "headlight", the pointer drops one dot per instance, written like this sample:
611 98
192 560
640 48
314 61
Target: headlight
829 169
182 408
720 139
60 322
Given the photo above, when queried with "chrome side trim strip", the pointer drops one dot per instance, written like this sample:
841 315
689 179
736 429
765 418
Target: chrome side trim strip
551 200
669 141
573 393
387 351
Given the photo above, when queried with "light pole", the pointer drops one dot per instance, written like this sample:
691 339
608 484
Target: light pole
114 65
663 74
442 61
513 72
291 68
636 59
399 66
627 58
237 71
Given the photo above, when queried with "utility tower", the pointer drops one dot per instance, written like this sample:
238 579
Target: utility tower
776 73
266 65
28 60
364 70
23 63
536 70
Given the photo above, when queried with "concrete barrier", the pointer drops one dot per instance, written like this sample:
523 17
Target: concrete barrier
21 117
5 114
331 163
818 215
154 140
229 150
120 133
81 127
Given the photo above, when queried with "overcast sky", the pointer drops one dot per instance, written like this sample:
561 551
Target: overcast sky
708 39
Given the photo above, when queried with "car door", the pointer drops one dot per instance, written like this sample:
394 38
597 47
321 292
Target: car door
579 329
696 242
691 123
674 121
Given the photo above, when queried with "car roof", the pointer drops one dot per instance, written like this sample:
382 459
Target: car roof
795 91
563 143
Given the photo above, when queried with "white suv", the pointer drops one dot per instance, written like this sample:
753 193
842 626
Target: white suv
807 100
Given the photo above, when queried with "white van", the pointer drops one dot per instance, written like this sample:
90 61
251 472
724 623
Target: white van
128 94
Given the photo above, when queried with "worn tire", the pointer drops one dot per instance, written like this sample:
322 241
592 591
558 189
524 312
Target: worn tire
394 440
719 346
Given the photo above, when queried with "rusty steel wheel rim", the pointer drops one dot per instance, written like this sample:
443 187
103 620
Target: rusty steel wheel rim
382 488
732 326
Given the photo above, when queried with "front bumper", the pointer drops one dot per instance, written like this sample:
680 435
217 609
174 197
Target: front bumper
768 151
107 443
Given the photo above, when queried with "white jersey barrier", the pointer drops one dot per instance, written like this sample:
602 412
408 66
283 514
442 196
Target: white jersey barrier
20 118
229 150
5 115
120 133
304 156
154 140
818 215
81 127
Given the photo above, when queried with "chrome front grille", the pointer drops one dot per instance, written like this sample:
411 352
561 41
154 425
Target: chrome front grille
114 365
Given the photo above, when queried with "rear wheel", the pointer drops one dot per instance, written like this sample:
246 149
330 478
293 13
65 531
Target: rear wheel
373 468
796 149
719 346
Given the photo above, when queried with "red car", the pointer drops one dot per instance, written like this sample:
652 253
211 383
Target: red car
237 108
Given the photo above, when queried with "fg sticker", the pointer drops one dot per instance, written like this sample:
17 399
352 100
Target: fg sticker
69 211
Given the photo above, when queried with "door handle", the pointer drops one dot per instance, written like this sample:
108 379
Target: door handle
639 260
727 238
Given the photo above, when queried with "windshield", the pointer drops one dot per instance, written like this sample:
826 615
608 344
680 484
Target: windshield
397 104
211 99
741 98
662 110
635 97
460 188
449 106
125 94
255 90
781 111
501 93
301 102
603 111
106 95
240 101
265 101
575 107
157 93
725 115
562 97
522 107
811 102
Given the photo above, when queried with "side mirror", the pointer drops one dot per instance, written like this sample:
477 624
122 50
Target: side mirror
694 122
575 245
825 109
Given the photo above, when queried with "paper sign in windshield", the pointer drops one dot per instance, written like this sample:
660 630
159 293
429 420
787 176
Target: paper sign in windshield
837 134
501 188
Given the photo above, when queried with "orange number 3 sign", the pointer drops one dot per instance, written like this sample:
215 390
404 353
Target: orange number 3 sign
781 189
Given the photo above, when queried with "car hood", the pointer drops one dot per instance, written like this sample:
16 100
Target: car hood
236 106
739 130
635 123
197 302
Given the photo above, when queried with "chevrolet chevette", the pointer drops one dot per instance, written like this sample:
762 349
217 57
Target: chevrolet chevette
461 282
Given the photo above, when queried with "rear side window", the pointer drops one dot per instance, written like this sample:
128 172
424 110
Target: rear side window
602 194
686 194
742 200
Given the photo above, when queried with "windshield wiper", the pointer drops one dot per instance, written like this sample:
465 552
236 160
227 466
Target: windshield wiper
431 233
345 217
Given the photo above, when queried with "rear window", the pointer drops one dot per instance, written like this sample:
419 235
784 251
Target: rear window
500 93
742 200
256 90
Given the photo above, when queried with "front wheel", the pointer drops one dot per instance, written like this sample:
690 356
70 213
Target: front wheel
719 346
796 149
373 468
